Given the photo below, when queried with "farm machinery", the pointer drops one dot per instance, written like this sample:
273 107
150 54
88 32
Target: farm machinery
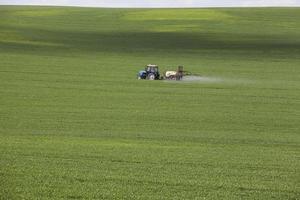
151 72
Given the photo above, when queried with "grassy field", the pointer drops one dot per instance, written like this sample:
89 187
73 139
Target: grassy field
76 124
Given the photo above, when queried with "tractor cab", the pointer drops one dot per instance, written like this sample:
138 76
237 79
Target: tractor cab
151 68
151 72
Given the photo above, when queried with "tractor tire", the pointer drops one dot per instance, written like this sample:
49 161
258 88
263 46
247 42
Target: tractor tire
151 77
172 77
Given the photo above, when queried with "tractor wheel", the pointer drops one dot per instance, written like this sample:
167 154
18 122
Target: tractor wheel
151 77
172 77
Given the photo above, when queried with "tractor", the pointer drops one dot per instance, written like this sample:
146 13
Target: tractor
151 73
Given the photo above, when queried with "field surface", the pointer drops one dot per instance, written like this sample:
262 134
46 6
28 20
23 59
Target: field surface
76 124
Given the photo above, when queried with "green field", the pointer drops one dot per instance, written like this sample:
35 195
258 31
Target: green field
75 123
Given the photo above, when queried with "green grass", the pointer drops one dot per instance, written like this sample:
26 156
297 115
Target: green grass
76 124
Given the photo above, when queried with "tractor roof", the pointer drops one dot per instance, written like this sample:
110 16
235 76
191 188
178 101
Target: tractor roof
150 65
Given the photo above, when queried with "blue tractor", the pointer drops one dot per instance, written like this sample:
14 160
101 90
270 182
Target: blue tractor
151 73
